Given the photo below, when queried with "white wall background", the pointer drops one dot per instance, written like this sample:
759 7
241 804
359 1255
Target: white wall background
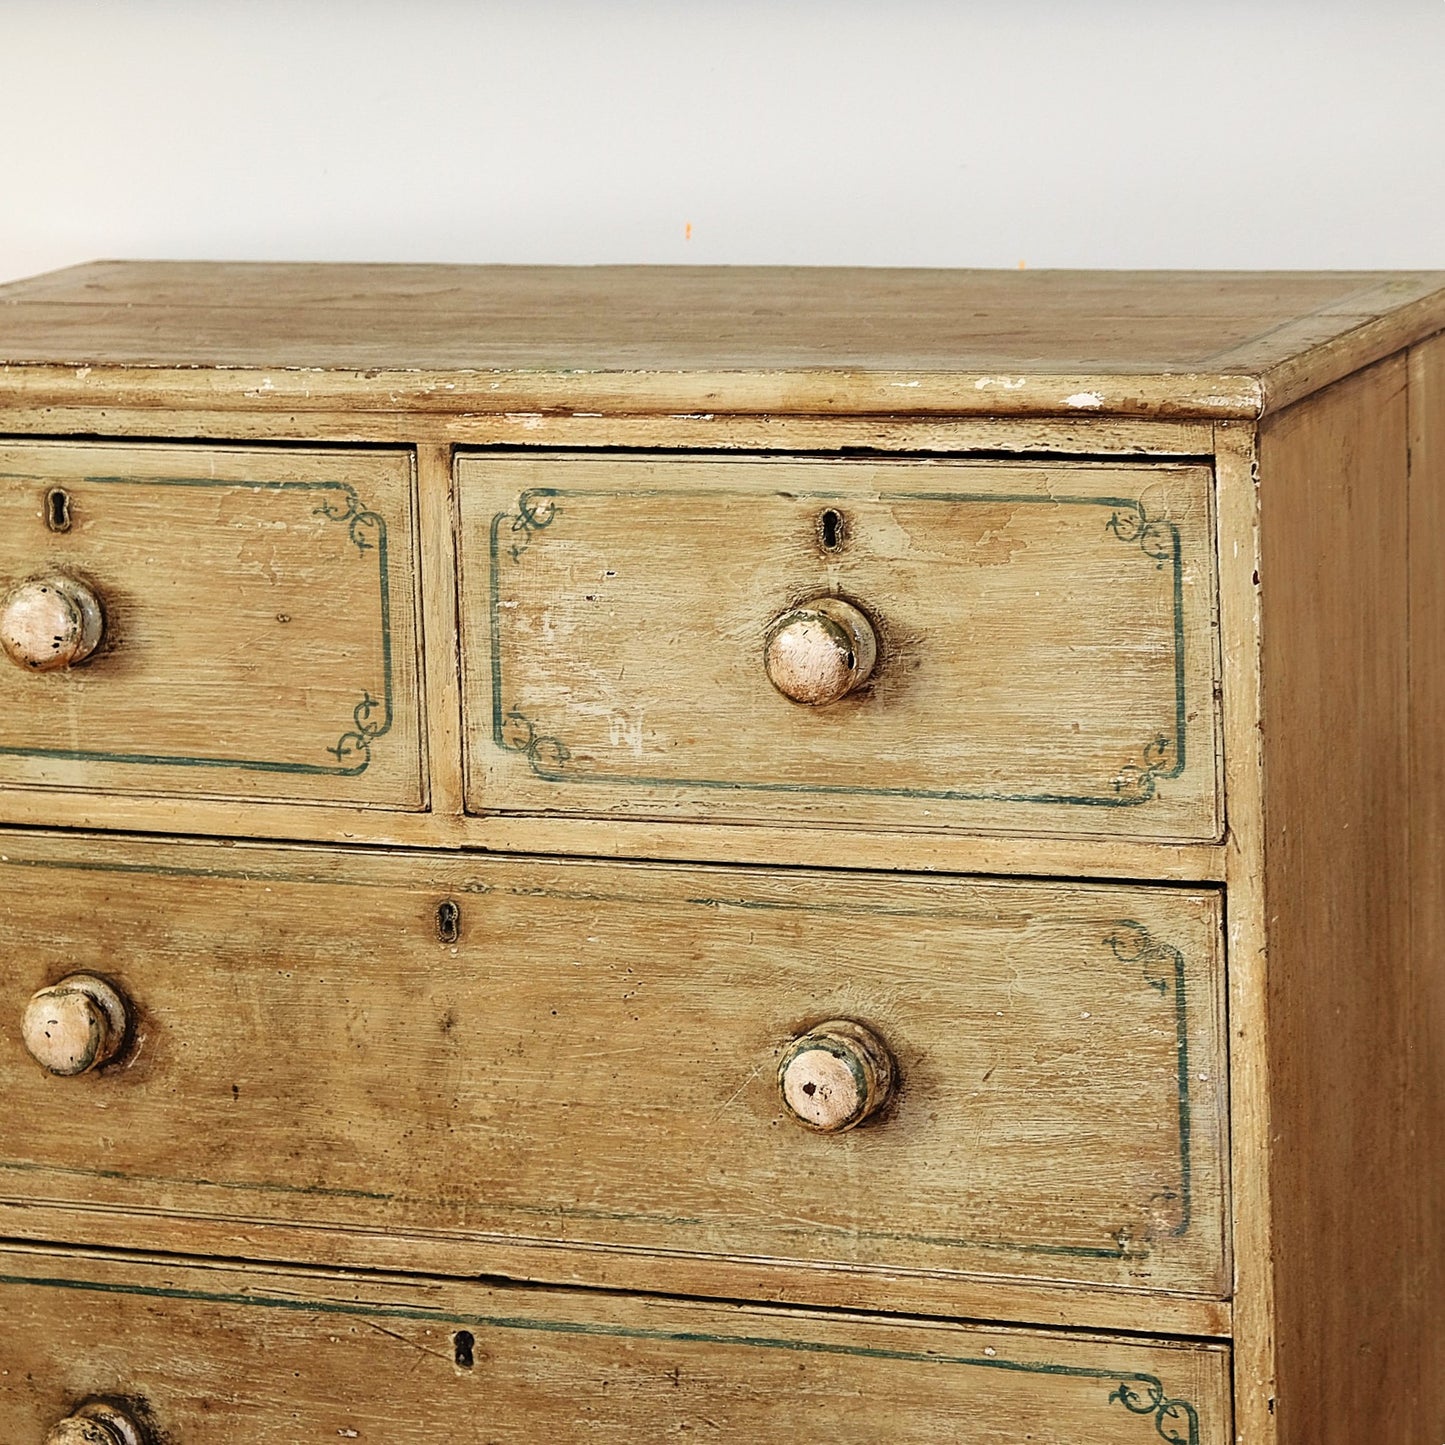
1114 133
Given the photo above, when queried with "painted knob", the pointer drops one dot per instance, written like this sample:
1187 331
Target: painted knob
836 1076
820 652
49 623
97 1424
75 1025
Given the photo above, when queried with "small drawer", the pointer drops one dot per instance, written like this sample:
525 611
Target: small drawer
220 1356
887 644
817 1072
209 621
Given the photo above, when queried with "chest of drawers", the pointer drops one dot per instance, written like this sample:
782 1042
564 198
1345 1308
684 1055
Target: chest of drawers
624 853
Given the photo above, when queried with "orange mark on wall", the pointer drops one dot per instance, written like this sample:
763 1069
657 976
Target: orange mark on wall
687 232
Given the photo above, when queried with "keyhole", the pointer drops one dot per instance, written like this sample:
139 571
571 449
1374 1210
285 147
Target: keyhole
57 509
449 922
830 530
464 1343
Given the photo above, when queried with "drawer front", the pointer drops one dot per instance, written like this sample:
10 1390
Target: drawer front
1044 641
258 622
276 1358
589 1055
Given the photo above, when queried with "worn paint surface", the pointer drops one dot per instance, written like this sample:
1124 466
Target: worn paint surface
1045 647
260 632
594 1061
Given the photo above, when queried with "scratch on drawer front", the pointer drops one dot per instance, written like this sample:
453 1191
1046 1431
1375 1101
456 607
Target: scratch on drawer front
406 1340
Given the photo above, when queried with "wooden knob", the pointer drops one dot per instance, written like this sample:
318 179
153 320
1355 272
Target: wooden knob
75 1025
836 1076
820 652
50 623
97 1424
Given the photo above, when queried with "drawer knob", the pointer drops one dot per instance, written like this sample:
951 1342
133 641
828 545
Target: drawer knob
835 1076
75 1025
50 622
97 1424
821 651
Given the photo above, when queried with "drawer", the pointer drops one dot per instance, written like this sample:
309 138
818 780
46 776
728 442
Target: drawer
591 1056
217 1355
256 622
642 638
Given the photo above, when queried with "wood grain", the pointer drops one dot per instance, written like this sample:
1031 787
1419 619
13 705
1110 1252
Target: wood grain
1335 594
819 847
1250 1020
1423 964
260 623
923 1293
594 1062
1046 648
324 1356
436 519
23 411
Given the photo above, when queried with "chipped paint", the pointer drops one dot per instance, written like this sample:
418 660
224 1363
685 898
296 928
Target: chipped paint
1086 400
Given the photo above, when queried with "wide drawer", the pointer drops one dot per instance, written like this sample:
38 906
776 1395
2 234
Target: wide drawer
258 622
1043 635
215 1356
588 1056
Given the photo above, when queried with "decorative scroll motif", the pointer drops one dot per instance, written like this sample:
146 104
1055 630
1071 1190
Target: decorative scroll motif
1163 968
537 509
368 530
1176 1421
1138 782
1159 540
1163 964
370 718
354 747
547 755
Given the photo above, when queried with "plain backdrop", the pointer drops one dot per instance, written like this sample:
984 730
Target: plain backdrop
1052 134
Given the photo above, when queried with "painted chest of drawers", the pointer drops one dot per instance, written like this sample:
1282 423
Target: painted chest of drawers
627 853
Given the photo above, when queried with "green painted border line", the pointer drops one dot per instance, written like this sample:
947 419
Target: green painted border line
27 1166
1153 1401
563 1212
1151 952
538 749
357 740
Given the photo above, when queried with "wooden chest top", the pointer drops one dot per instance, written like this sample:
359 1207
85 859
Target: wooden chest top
658 338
